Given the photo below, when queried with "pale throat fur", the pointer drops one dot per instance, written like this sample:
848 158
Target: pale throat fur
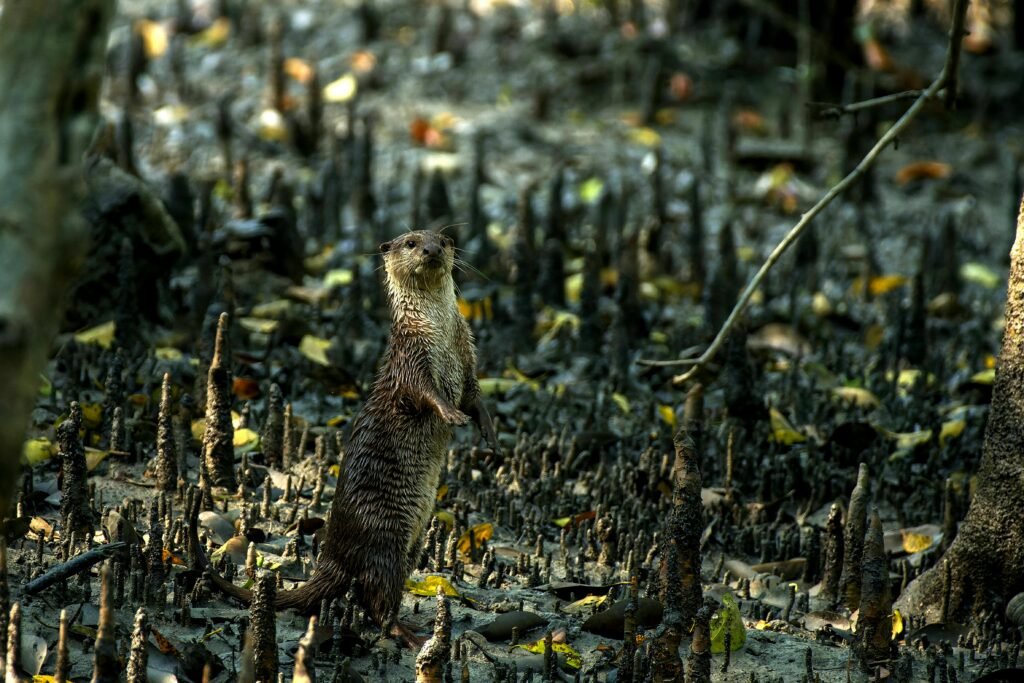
423 303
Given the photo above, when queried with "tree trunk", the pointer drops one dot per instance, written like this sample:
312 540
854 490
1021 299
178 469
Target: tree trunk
51 67
986 560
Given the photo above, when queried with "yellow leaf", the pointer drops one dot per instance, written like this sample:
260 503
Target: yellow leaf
622 402
341 90
442 492
339 277
334 470
245 440
258 325
668 415
561 521
38 450
915 543
428 586
216 35
272 309
857 396
590 190
154 37
572 657
728 617
897 624
101 335
92 414
980 274
951 430
648 137
272 126
883 284
234 546
821 305
986 377
481 533
445 516
573 288
782 431
93 458
315 349
583 604
39 678
167 353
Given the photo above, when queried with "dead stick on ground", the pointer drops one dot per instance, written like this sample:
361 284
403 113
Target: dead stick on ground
947 77
76 565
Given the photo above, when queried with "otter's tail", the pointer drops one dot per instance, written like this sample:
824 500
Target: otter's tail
305 599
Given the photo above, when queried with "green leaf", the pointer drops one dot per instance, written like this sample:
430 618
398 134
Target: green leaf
727 620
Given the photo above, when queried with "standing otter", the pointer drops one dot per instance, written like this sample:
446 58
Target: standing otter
386 490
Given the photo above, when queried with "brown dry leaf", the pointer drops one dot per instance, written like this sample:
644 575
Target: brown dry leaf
876 56
298 69
245 388
749 121
923 170
680 87
165 646
363 61
168 555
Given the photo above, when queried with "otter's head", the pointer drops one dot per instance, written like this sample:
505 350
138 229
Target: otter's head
420 259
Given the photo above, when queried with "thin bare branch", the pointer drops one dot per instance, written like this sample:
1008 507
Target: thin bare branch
945 78
828 110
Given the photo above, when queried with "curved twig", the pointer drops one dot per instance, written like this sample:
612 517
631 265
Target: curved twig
947 77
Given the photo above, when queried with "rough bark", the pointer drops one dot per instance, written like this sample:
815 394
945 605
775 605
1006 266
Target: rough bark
986 560
51 68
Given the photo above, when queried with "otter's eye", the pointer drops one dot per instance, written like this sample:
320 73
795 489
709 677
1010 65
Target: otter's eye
410 244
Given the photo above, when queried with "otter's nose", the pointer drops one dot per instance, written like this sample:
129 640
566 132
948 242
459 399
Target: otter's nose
431 250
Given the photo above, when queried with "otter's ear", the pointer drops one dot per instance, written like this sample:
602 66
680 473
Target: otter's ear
384 247
447 241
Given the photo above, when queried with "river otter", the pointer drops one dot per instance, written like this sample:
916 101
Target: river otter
386 490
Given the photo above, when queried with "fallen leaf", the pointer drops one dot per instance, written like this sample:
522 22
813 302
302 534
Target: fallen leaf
154 37
259 325
680 86
979 274
646 137
585 604
315 349
622 402
782 431
38 450
341 90
749 121
93 457
923 170
175 560
216 35
298 69
102 335
245 388
245 440
428 586
858 396
572 657
876 57
667 415
481 532
727 620
590 189
272 126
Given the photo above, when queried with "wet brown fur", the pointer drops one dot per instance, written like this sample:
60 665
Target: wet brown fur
426 386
